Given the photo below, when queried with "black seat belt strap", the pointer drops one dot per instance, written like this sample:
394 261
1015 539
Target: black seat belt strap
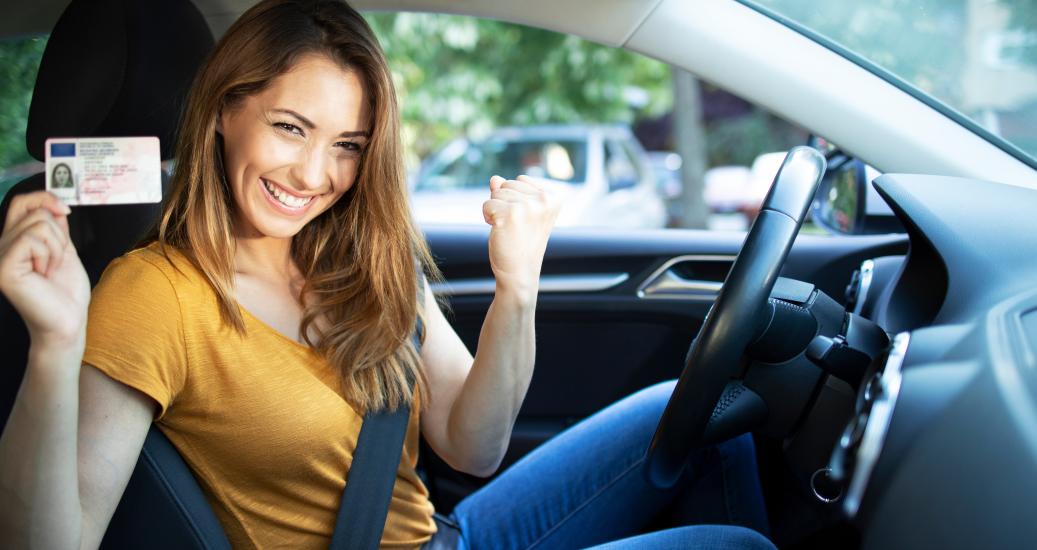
369 486
372 475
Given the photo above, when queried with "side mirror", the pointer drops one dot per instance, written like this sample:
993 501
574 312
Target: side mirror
845 202
839 203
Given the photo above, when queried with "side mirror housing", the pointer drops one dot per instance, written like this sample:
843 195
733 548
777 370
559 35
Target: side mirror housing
847 204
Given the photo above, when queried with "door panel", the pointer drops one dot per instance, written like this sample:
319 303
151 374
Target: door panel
596 346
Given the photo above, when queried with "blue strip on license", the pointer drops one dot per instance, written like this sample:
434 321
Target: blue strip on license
62 149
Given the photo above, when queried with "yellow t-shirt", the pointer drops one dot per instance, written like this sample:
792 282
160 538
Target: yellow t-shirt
259 419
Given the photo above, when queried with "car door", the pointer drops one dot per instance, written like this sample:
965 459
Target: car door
616 313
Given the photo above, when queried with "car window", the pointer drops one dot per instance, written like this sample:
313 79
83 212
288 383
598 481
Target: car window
20 59
637 157
620 167
481 97
470 164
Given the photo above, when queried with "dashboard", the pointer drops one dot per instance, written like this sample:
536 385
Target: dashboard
942 448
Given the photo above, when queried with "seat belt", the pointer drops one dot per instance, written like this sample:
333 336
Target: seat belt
372 475
369 484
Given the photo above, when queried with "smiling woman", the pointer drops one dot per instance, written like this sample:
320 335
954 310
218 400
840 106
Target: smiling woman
263 128
280 146
268 138
271 311
287 217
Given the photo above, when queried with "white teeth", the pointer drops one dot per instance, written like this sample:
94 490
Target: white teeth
285 198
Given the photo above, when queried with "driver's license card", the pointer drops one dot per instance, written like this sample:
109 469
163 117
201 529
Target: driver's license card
88 171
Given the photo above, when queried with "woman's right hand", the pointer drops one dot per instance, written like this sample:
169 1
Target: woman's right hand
40 272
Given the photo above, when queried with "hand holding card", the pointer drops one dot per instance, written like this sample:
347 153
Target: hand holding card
40 272
92 171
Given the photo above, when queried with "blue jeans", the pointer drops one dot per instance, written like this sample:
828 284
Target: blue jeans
586 487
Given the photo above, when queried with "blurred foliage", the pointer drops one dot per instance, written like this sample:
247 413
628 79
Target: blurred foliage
738 140
20 60
460 75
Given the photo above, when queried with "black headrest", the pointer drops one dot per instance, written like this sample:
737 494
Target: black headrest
117 68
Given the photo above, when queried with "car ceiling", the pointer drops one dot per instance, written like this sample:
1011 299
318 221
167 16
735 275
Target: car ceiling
607 21
720 41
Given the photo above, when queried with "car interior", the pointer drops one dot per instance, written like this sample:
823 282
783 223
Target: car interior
888 375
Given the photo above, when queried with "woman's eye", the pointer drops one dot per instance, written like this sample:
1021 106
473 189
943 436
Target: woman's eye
349 146
288 127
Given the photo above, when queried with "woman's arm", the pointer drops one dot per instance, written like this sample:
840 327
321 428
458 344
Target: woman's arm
474 403
67 453
57 489
38 480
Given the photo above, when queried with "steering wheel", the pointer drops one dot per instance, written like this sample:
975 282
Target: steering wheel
709 403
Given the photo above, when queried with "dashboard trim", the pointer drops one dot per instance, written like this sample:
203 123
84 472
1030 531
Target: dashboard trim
548 284
867 274
878 424
1010 351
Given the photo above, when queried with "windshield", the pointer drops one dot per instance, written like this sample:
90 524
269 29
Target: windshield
978 57
470 165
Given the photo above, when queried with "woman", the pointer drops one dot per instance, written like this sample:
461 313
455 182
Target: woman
61 176
273 305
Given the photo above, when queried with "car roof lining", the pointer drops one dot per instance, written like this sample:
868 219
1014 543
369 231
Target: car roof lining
607 21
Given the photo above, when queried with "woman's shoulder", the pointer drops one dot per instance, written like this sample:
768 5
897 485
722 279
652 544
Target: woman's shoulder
153 268
168 260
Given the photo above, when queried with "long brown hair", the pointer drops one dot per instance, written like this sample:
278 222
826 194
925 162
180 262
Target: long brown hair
359 258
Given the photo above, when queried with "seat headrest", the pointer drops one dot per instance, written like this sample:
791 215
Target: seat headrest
117 68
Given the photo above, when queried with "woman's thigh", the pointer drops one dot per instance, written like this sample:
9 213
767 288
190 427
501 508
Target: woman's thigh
704 537
586 486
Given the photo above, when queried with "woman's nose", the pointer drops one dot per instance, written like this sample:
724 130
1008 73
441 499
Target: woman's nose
311 169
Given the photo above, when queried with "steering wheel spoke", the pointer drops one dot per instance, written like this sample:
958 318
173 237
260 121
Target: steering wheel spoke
714 364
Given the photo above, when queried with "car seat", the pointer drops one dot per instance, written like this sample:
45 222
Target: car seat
119 68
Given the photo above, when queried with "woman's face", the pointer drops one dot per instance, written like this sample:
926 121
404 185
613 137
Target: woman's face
61 176
293 149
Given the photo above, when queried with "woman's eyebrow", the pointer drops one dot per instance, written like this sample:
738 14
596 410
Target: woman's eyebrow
310 125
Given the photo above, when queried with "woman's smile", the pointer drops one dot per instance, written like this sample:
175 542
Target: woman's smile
284 200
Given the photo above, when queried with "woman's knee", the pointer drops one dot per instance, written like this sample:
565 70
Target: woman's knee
641 410
654 397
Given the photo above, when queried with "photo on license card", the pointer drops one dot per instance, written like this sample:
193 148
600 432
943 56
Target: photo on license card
63 170
97 171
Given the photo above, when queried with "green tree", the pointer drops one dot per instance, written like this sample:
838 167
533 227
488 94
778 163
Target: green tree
20 60
738 140
460 75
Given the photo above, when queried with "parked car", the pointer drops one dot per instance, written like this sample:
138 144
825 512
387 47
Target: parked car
667 167
602 171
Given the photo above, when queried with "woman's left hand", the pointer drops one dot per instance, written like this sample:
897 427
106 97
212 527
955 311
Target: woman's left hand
521 212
